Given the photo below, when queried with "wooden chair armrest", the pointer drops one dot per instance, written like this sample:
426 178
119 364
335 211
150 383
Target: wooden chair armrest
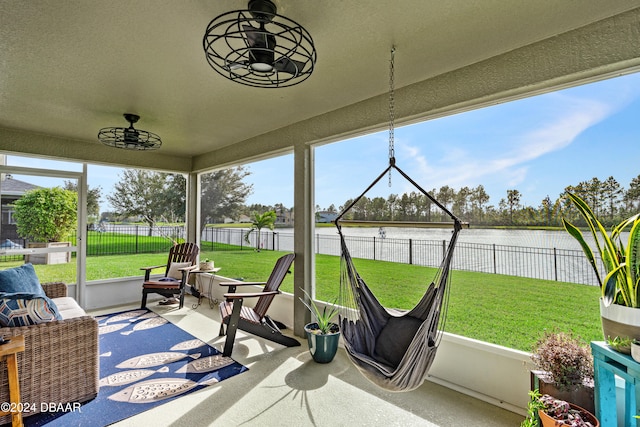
229 284
233 285
153 267
249 294
185 273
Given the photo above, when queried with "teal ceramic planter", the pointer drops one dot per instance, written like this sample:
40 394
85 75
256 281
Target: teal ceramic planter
323 348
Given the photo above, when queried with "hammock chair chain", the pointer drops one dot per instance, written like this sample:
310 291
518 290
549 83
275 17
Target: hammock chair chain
392 114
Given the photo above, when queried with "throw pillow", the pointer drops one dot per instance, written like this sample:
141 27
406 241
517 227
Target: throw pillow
22 279
25 309
174 271
394 339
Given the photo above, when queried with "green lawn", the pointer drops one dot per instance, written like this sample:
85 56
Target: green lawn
506 310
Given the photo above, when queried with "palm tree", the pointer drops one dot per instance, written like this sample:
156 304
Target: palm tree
259 222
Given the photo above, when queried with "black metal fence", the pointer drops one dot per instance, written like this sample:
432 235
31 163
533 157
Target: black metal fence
538 263
563 265
134 239
114 240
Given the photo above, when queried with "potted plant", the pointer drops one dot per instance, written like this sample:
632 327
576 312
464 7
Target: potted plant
544 410
323 335
206 265
620 279
46 217
564 368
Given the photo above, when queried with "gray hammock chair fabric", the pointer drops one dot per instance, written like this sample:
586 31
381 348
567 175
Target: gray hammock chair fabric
392 348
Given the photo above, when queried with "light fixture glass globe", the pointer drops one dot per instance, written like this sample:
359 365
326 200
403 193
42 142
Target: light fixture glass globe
261 67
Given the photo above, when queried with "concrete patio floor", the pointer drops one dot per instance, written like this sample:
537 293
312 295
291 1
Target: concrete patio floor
284 386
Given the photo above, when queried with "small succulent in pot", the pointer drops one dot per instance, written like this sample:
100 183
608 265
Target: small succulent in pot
562 411
544 410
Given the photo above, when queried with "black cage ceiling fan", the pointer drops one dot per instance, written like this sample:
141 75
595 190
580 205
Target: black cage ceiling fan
129 138
259 48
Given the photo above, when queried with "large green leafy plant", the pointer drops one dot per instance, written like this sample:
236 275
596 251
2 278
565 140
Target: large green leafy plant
46 214
620 259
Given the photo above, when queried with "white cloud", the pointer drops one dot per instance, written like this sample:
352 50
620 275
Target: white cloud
470 163
578 116
420 160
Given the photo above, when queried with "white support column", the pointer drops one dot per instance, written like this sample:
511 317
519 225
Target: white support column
192 214
81 239
304 224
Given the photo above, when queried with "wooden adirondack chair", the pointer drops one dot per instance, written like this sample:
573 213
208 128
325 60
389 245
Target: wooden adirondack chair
255 320
182 259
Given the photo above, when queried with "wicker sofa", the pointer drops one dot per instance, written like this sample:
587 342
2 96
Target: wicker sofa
60 362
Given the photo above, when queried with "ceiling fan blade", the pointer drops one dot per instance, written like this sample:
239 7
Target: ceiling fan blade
261 46
259 38
287 65
252 35
234 65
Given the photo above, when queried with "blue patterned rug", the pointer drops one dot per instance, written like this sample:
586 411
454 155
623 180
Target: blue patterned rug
145 361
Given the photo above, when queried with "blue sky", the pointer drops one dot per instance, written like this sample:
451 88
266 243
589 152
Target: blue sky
537 145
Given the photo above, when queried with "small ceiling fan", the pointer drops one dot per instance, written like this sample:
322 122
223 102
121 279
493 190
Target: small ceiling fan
129 138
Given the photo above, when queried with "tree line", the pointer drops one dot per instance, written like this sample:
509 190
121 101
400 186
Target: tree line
153 196
608 199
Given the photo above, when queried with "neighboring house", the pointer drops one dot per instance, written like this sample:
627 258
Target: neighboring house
244 218
284 217
11 189
241 219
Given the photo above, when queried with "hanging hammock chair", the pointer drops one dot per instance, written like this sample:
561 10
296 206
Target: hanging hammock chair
392 348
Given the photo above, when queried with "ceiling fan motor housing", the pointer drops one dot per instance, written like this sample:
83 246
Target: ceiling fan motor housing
262 10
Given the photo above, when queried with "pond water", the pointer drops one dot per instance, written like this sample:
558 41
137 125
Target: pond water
559 239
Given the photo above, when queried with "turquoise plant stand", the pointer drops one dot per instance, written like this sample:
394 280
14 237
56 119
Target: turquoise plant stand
607 363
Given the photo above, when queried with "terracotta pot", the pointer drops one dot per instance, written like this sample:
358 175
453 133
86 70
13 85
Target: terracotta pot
620 321
547 421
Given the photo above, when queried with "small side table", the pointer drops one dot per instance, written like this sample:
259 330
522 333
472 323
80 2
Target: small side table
606 365
9 351
208 294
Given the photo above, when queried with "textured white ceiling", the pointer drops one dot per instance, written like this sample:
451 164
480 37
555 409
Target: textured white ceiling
69 68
